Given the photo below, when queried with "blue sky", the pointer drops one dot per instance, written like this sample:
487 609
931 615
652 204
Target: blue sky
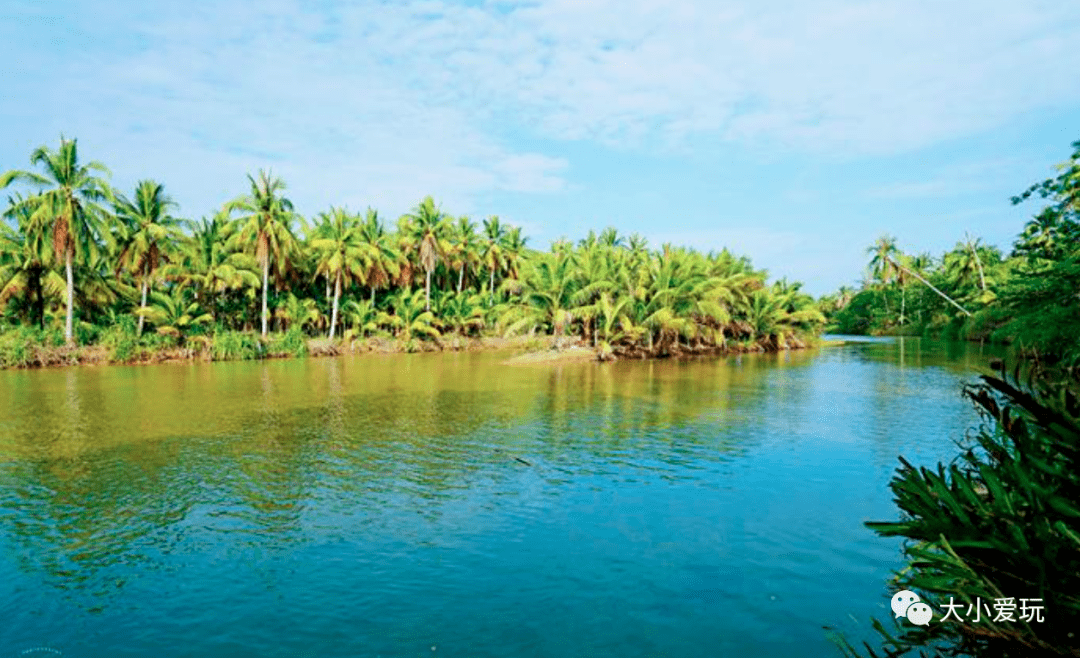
791 132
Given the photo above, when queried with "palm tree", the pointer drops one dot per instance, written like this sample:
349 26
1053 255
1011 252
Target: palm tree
265 228
341 255
973 247
25 258
206 262
513 249
426 226
466 248
172 315
384 262
72 205
882 262
492 254
148 235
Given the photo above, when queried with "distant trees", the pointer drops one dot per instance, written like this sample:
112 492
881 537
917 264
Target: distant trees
113 261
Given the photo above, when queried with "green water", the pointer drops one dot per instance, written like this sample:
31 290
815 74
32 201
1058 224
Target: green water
449 505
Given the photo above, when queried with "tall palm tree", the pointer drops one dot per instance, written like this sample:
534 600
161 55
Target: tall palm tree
466 248
513 249
427 227
492 254
148 235
71 201
883 255
341 254
265 228
384 262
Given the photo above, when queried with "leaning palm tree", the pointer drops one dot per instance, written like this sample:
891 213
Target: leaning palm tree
427 228
71 204
265 228
340 254
148 235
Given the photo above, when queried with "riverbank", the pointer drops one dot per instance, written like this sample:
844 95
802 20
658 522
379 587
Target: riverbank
235 346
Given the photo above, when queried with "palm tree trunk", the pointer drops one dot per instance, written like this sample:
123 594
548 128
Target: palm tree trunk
69 336
333 314
491 286
39 299
266 282
142 307
427 291
903 302
461 278
328 289
372 295
931 286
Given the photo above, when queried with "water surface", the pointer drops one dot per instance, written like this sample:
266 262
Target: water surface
448 505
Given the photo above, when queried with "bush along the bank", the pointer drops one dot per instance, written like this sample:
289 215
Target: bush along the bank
257 280
975 292
999 526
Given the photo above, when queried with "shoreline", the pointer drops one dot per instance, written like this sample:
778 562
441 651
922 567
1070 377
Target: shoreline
533 350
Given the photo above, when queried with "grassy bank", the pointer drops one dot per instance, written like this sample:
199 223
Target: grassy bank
28 348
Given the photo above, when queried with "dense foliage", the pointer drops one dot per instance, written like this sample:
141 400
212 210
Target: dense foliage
1001 523
81 263
1028 297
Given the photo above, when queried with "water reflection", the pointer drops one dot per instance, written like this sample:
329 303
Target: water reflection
120 485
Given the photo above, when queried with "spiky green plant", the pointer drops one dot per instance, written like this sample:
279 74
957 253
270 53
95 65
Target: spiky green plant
1002 521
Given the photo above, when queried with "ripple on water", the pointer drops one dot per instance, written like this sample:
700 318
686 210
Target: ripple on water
366 508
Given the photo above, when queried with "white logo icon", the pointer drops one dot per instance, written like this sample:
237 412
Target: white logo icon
901 600
906 603
919 614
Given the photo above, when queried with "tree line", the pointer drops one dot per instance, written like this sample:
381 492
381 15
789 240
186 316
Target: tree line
1027 297
108 268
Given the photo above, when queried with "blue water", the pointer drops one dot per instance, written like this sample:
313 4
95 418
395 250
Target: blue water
449 505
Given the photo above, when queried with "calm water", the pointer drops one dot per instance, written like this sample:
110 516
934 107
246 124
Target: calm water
448 505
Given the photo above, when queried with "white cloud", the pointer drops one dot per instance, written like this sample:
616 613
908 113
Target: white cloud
380 103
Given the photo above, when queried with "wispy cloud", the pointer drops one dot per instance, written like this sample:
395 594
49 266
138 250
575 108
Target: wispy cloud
379 103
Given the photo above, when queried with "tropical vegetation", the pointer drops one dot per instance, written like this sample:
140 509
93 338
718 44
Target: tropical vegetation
81 264
993 538
1027 297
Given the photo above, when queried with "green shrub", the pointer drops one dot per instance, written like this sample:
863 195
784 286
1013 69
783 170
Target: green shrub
15 350
120 339
291 343
235 346
1002 521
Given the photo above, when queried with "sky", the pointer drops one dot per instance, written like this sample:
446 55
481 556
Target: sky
792 132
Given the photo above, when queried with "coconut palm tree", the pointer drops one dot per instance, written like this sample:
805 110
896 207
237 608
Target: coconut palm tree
427 227
265 220
513 250
148 235
492 253
206 262
71 202
466 248
883 254
25 259
341 254
172 315
384 262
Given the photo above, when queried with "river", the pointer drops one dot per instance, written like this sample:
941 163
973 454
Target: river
444 505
